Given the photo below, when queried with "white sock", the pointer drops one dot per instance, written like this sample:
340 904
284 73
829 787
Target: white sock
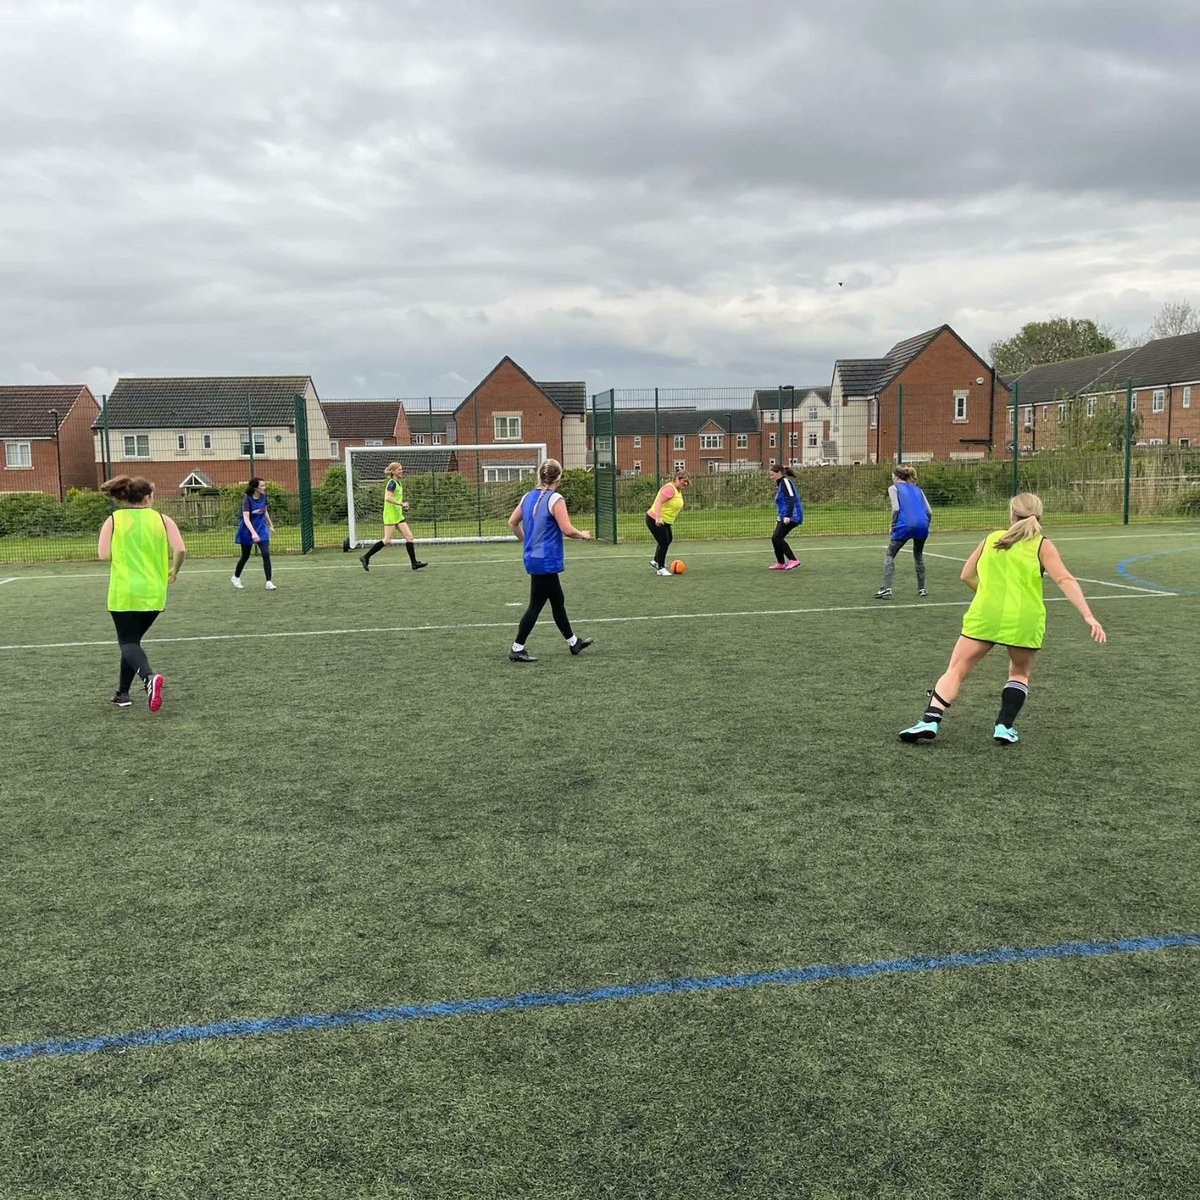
518 647
572 639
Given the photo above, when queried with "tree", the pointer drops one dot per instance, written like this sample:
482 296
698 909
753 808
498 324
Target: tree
1175 317
1050 341
1105 428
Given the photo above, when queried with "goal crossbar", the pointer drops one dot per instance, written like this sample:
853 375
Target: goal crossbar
504 462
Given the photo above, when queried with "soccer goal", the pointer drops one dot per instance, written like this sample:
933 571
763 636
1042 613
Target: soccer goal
454 493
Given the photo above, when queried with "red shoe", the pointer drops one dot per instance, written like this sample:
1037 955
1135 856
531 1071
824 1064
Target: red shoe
154 692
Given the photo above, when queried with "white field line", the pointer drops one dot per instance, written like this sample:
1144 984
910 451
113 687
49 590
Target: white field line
878 607
1082 579
10 579
873 547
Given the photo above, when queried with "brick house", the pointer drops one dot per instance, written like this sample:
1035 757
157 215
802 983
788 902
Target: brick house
509 406
954 403
798 425
700 441
190 434
1166 392
47 438
364 423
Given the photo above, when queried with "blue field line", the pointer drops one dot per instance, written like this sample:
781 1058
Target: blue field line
260 1026
1123 569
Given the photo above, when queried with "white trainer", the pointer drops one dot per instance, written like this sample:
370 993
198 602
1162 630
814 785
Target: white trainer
237 583
270 586
662 571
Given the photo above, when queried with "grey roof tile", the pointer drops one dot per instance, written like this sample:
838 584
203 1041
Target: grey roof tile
25 411
199 402
350 419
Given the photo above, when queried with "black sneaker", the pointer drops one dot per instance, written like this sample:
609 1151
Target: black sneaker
883 594
922 592
366 562
520 656
121 700
581 645
418 565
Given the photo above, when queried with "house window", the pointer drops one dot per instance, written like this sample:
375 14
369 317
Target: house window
373 442
680 441
260 444
181 441
637 466
637 441
1062 414
768 416
1133 402
1156 441
680 465
18 455
960 406
604 447
437 439
333 450
1091 408
874 414
772 462
1185 441
1187 397
1029 416
771 442
206 441
1011 411
793 438
813 415
812 441
506 429
1158 401
137 445
418 439
711 441
1045 414
507 474
743 441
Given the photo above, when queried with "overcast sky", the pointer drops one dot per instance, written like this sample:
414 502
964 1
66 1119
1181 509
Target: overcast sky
391 196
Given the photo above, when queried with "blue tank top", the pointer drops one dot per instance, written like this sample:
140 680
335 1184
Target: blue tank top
543 538
258 518
911 520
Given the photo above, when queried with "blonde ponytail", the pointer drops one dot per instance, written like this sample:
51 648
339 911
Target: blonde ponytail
1024 513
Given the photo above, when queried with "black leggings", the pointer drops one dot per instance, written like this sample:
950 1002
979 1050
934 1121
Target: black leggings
663 535
264 548
783 552
131 628
541 589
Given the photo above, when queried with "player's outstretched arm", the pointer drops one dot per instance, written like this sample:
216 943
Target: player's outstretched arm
564 523
1067 584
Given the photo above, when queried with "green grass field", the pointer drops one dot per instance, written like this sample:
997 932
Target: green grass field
352 800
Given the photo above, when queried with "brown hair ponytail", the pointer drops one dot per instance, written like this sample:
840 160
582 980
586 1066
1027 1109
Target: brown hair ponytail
904 474
127 490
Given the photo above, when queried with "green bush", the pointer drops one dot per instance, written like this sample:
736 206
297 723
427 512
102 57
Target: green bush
30 514
578 489
944 483
329 497
85 510
448 495
285 508
1189 502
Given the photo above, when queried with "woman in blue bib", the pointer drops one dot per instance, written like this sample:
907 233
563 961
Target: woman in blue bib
911 517
254 529
541 521
790 511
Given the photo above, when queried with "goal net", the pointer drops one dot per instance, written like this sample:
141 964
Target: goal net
454 493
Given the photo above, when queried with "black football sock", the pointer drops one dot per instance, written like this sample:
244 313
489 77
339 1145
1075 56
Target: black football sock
375 549
1011 701
412 552
936 709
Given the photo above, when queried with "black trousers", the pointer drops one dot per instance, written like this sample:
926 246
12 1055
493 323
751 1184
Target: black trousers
663 535
783 552
131 628
264 548
541 589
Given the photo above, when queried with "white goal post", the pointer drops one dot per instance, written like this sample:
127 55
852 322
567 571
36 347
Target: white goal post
456 493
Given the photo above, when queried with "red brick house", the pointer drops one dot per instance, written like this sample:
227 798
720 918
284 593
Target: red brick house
47 438
190 434
1166 393
954 405
700 441
364 423
508 405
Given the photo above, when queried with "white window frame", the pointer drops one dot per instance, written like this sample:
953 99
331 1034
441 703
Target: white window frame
181 443
813 413
812 441
1027 416
1091 406
680 465
1045 414
1133 403
771 442
1187 397
711 441
1158 401
1062 414
743 441
637 466
373 441
960 405
260 445
637 441
418 439
793 439
137 439
436 439
604 444
1186 442
206 441
680 441
510 430
1156 441
16 450
874 421
334 448
771 462
508 473
768 416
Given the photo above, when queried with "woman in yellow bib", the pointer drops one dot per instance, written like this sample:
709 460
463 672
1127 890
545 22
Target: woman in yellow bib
660 517
1005 573
394 508
146 551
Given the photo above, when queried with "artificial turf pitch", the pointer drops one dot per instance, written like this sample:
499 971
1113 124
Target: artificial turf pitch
387 812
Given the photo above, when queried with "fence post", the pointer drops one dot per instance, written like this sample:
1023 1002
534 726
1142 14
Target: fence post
1016 442
478 473
303 475
1128 447
105 448
250 432
657 462
900 427
433 474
